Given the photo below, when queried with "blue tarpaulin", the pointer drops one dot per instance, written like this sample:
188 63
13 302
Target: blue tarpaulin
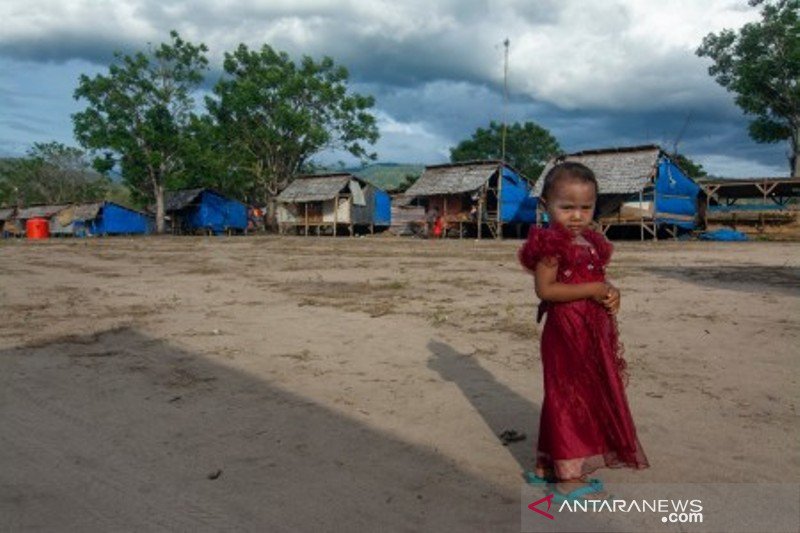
383 208
114 219
724 234
516 203
676 194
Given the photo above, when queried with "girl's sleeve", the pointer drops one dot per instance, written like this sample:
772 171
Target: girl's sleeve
541 243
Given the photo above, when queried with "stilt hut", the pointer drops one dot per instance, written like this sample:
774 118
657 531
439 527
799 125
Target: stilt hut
475 196
751 203
640 187
204 211
325 203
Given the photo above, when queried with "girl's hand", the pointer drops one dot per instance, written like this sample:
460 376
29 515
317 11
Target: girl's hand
611 302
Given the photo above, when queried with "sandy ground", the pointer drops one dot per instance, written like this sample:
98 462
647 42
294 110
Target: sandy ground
285 384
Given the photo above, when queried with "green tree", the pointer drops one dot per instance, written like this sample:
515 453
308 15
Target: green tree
51 173
761 64
208 164
692 169
139 114
528 147
14 178
275 115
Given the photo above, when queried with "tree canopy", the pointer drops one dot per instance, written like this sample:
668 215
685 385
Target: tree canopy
692 169
139 114
274 114
761 64
528 147
51 173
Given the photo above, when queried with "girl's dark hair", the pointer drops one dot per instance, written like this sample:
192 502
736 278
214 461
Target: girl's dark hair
567 170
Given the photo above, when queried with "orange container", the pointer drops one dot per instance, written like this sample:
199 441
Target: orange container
37 228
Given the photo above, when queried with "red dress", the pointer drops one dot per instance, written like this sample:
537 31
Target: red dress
585 421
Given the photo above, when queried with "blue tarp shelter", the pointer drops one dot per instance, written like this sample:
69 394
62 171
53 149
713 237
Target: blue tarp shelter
463 194
204 210
100 218
640 186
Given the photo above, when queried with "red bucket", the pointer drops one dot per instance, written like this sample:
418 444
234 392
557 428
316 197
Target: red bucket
37 228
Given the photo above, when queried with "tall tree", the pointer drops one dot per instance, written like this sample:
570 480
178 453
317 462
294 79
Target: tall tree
51 173
528 146
139 114
761 64
277 114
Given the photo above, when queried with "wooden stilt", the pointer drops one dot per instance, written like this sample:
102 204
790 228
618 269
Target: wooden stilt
335 214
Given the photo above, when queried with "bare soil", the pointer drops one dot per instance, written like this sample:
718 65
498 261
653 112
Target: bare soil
289 383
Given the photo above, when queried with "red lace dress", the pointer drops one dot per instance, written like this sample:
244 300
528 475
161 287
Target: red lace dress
585 421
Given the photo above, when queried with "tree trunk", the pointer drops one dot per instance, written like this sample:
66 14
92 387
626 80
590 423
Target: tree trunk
795 159
160 222
270 212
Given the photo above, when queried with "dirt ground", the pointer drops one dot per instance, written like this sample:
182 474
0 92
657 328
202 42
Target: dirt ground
289 383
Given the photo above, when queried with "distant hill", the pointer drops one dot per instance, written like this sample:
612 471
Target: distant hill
387 176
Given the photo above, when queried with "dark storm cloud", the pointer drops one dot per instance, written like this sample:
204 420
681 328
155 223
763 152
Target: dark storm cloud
596 74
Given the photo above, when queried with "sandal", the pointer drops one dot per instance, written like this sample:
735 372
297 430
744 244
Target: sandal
532 479
595 483
577 494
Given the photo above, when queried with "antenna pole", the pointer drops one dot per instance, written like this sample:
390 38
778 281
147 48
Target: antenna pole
505 99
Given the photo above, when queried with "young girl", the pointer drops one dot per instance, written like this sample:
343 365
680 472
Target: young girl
585 421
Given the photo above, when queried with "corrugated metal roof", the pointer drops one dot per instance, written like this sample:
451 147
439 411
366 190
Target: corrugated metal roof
38 211
6 213
316 188
452 178
618 170
177 200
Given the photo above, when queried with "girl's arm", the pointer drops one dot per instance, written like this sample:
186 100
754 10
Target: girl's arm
547 288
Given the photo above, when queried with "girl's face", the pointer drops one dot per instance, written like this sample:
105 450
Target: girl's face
571 203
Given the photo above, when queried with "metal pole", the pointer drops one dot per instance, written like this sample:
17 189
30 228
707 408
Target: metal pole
506 43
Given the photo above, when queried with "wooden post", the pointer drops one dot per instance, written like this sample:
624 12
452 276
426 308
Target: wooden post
335 213
305 205
481 198
444 217
500 202
641 217
655 209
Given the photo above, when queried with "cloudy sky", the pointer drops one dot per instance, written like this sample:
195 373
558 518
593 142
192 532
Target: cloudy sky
596 74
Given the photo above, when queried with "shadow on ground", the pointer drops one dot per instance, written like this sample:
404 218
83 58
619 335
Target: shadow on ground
119 431
753 278
499 406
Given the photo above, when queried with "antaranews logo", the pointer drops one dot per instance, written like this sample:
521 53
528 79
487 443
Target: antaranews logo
549 500
673 511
